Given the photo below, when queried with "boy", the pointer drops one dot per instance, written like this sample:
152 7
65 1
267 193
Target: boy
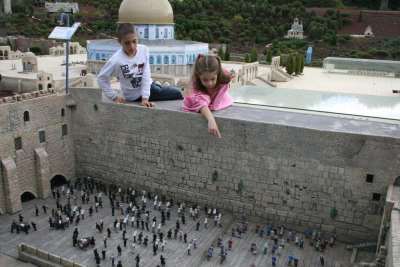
131 65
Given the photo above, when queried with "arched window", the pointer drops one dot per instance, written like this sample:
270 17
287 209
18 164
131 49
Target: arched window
18 143
49 86
57 181
173 59
27 196
166 60
62 112
64 130
151 60
40 86
26 116
42 136
159 59
397 181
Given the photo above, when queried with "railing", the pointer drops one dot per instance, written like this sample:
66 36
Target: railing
40 257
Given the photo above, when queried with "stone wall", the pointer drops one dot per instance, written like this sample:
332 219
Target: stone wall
36 163
393 233
273 170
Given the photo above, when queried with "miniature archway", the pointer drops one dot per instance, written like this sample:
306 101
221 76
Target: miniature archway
397 181
27 196
58 180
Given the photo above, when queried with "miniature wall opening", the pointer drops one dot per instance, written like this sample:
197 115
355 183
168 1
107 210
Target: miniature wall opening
27 196
397 181
369 178
58 181
26 116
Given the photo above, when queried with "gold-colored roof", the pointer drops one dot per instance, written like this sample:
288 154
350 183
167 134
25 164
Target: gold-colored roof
146 12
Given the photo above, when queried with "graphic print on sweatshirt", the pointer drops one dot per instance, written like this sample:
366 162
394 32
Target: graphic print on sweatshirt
134 73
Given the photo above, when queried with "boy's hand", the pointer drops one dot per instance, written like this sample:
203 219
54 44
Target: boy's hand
119 99
147 103
213 128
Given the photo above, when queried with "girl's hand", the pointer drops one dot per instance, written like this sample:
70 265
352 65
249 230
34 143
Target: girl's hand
147 103
213 128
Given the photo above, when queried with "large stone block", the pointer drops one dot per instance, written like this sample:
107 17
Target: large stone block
11 186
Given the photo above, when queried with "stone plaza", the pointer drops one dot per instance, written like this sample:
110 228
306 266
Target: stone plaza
59 242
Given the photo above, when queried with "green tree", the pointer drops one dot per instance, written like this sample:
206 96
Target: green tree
297 60
302 64
294 63
269 56
247 58
221 53
289 65
253 55
227 55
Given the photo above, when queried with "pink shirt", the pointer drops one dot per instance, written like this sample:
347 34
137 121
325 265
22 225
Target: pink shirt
197 100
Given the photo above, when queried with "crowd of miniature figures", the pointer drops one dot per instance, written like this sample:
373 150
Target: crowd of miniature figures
138 210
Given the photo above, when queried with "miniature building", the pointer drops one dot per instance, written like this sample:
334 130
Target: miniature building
6 7
62 7
74 48
368 32
29 62
156 30
277 73
6 53
296 31
45 81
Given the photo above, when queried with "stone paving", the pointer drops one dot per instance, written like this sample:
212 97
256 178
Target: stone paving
59 242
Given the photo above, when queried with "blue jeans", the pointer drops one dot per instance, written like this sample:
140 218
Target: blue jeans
164 93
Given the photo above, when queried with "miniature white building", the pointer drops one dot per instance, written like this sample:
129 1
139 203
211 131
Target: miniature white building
29 63
6 8
74 48
296 32
6 53
156 29
62 7
368 32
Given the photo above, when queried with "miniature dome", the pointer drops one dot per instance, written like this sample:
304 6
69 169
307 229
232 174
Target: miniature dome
146 12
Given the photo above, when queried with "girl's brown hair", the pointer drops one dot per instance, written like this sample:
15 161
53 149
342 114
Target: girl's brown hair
208 64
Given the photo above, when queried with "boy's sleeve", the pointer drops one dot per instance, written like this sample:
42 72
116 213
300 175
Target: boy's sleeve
103 79
146 82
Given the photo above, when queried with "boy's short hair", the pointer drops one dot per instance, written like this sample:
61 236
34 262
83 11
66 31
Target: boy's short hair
125 29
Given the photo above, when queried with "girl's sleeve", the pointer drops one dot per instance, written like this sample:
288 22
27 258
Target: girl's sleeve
196 101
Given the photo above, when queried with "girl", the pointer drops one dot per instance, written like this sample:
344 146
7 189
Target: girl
210 90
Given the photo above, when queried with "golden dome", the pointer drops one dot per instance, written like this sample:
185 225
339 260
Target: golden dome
146 12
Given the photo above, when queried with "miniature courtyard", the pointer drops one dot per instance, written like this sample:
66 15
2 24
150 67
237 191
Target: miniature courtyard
59 241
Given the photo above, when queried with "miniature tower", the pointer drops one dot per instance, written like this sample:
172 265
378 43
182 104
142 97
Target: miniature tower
384 5
7 6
